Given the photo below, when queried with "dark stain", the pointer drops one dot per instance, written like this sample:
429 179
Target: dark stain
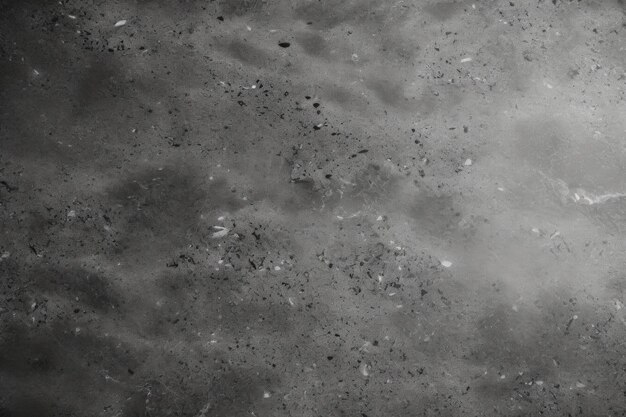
443 10
242 7
234 392
99 84
25 405
373 183
301 196
90 288
388 92
312 43
543 343
435 214
247 54
164 207
56 368
329 14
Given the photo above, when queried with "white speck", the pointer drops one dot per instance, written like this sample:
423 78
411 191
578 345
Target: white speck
221 261
355 57
379 218
500 189
222 231
5 255
277 268
221 218
266 394
248 27
77 330
473 6
33 305
467 162
380 278
540 383
502 376
340 217
575 317
71 213
211 178
71 16
515 308
35 72
580 385
291 303
364 368
468 59
391 294
446 264
399 306
535 230
120 23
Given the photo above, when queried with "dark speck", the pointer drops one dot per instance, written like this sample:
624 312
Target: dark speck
220 18
284 44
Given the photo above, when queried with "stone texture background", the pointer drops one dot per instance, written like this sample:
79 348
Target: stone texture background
312 208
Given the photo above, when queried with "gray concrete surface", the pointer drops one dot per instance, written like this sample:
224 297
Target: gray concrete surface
312 208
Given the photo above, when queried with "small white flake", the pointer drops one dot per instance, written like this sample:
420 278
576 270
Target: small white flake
222 231
71 213
364 368
120 23
266 394
446 264
71 16
464 60
467 162
379 218
277 268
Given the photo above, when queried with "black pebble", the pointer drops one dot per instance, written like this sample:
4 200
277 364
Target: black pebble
284 44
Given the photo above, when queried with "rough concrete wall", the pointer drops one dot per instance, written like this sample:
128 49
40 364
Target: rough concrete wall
312 208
